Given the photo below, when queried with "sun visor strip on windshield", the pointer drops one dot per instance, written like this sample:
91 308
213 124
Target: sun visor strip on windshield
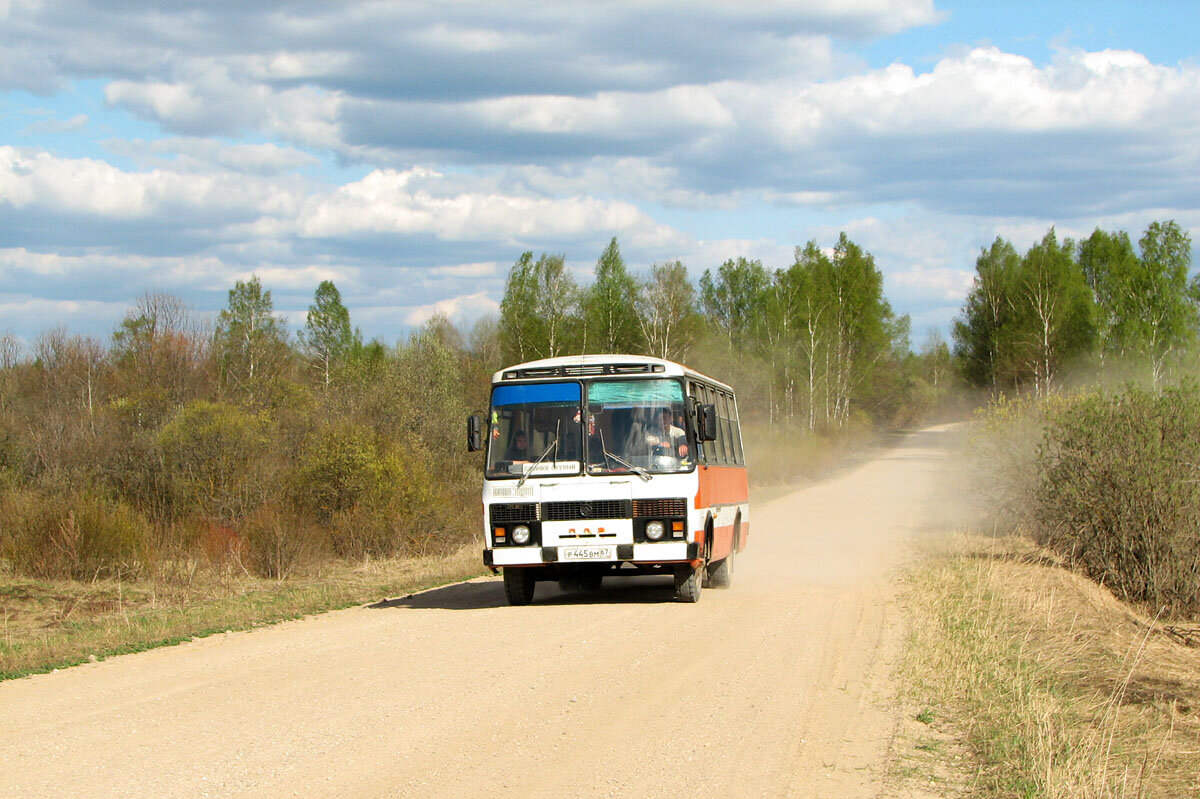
535 392
631 392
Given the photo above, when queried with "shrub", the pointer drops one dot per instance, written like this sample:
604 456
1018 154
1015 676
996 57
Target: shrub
82 537
1118 492
210 450
277 542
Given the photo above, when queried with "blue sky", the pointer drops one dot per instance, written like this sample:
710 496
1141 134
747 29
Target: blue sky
411 151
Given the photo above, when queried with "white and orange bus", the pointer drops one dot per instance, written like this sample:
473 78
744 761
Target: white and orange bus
610 465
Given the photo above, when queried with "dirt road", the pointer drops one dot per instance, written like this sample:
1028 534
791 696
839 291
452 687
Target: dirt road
781 686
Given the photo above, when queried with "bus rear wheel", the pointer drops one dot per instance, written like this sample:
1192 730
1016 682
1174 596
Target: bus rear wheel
688 582
519 585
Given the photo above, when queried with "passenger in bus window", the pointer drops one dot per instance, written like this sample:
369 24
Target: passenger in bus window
518 449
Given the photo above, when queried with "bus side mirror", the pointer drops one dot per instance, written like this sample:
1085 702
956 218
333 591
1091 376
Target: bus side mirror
706 423
474 434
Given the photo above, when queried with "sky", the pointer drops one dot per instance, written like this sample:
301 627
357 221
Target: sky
411 151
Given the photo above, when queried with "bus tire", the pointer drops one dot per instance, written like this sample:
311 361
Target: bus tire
519 585
720 574
688 582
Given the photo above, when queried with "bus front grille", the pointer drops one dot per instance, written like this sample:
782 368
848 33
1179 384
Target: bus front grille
505 513
659 508
595 509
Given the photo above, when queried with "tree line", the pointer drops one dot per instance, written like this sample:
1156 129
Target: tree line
812 343
233 442
1096 302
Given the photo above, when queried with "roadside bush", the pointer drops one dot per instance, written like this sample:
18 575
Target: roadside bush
210 451
81 537
277 542
1118 492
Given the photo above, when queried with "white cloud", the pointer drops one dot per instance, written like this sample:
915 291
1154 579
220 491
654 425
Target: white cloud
92 187
408 203
32 314
459 309
923 283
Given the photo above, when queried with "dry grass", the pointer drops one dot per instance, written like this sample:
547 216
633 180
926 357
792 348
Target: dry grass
52 624
1057 688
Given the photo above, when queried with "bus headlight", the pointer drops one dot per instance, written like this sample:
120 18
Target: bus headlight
520 534
655 531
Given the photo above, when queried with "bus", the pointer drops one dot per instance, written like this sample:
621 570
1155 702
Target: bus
611 465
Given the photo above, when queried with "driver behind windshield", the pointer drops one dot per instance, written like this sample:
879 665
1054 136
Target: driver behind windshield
518 449
665 437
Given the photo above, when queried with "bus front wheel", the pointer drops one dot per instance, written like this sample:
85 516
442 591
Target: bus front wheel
519 585
720 574
688 582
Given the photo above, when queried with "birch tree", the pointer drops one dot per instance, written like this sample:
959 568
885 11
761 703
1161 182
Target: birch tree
609 314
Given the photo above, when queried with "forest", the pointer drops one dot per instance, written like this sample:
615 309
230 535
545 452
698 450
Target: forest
187 442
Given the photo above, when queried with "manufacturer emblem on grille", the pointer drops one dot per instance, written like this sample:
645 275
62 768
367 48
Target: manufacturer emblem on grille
585 509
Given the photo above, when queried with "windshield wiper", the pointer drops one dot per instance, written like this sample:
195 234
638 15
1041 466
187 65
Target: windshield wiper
639 471
542 457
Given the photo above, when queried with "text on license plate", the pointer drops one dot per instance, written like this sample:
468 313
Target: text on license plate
587 553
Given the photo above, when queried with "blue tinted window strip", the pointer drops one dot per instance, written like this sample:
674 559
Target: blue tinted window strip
535 392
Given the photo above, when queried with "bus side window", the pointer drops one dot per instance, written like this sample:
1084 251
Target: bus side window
717 455
728 428
731 421
723 426
737 432
722 442
704 448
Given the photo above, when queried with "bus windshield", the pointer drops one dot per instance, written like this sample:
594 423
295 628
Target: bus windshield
637 426
535 429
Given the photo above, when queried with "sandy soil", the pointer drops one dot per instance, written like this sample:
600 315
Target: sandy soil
780 686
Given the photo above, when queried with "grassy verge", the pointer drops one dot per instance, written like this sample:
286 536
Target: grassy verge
48 625
1054 687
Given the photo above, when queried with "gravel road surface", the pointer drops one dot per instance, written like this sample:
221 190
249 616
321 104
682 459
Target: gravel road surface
780 686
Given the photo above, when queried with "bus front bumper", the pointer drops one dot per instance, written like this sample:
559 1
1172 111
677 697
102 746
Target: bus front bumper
665 552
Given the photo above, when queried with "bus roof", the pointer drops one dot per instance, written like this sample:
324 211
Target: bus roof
596 366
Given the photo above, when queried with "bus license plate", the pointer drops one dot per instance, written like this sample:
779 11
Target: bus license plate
587 553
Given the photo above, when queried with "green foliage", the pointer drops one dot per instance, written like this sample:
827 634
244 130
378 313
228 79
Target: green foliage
210 451
81 536
1119 492
983 333
327 335
539 315
609 316
251 341
734 298
666 310
1026 318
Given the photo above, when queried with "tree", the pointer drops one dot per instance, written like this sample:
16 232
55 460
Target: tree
610 319
159 353
666 311
250 339
1054 310
936 360
1110 267
981 334
539 313
733 300
863 325
327 335
1165 311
